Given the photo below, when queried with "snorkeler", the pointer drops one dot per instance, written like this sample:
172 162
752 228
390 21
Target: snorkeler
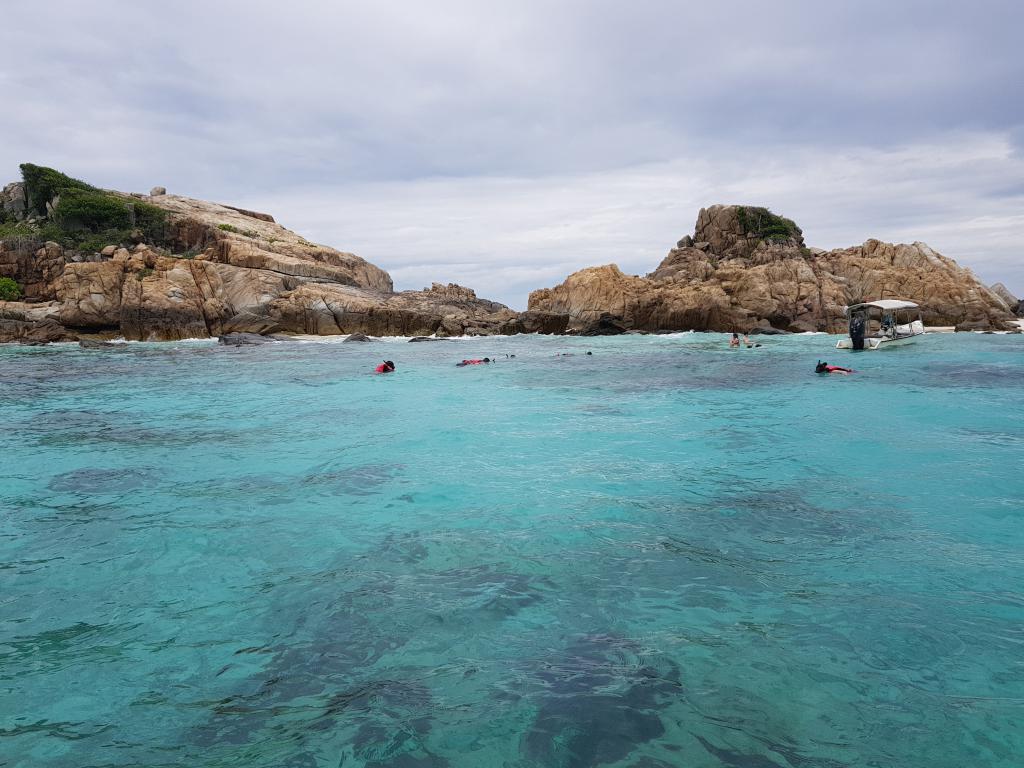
386 367
735 340
826 368
472 362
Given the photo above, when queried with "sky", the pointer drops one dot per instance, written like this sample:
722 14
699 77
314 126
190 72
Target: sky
504 145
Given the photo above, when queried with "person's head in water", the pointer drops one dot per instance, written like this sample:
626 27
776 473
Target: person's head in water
821 367
735 335
590 353
389 365
487 359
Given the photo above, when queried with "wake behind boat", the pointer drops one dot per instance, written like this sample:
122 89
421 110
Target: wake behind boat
882 323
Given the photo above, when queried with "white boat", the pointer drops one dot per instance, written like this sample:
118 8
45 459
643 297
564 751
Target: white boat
882 323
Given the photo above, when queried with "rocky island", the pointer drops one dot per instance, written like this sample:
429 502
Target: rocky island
78 262
746 269
87 263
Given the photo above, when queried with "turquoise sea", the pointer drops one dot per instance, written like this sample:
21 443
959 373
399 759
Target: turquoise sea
667 553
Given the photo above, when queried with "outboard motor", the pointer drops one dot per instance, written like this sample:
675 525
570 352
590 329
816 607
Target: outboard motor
857 330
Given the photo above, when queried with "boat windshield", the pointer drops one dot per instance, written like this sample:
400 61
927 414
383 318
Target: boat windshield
883 323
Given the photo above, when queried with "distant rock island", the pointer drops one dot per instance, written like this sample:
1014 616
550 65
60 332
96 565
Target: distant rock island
747 269
81 262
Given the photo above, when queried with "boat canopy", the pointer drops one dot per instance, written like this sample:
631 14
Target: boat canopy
884 304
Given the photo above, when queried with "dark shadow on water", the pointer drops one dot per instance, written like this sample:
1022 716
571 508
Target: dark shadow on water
964 375
361 480
100 481
600 700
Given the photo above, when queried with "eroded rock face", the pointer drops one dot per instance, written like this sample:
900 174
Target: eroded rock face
252 240
90 294
741 270
36 267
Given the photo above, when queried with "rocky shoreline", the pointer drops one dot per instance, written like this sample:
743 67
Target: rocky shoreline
177 268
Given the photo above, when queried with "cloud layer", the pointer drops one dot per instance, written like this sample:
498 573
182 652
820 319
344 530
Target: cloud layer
503 145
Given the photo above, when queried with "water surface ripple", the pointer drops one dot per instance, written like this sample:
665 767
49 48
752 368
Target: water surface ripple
667 553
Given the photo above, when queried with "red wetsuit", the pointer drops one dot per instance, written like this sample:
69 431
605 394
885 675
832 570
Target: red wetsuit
383 368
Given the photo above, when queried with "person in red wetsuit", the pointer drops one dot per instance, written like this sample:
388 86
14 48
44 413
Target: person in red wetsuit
472 362
386 367
826 368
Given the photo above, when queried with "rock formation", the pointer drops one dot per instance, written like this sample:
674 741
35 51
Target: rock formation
745 268
208 270
100 263
1015 305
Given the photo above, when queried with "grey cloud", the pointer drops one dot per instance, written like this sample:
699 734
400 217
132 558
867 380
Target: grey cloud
538 108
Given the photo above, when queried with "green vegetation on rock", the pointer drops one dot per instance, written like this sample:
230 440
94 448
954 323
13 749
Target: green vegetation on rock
10 229
43 184
232 228
86 218
765 225
9 290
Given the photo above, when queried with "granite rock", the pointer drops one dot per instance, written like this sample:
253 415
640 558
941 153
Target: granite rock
749 269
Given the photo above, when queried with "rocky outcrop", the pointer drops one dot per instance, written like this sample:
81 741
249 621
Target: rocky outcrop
745 268
1015 305
183 268
13 201
35 266
217 270
337 309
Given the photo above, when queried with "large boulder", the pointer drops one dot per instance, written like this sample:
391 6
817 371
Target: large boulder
245 339
639 303
537 322
13 200
605 325
90 294
34 332
1015 305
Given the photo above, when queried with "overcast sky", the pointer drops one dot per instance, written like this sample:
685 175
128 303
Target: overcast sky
504 145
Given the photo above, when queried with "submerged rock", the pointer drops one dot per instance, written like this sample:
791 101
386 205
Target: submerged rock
92 344
601 700
245 339
768 332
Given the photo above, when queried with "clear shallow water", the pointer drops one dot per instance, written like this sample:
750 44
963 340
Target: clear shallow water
666 554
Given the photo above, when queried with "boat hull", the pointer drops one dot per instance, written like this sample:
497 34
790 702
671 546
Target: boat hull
872 342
